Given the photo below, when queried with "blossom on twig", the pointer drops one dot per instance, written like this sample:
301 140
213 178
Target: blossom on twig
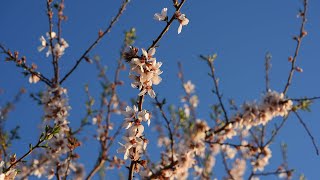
162 16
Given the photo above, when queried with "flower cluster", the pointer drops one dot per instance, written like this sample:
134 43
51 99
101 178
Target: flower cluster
190 97
254 114
134 141
185 154
191 147
144 70
56 108
58 48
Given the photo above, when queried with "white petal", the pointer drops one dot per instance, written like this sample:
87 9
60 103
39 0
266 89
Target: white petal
185 22
128 125
179 29
30 79
41 48
151 93
144 52
157 17
142 92
156 80
152 51
164 12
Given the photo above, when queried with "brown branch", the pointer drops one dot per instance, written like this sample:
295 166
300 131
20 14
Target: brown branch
101 35
299 40
308 132
30 70
277 130
68 165
267 68
96 168
160 105
304 99
155 42
131 169
54 57
225 164
216 91
38 145
272 173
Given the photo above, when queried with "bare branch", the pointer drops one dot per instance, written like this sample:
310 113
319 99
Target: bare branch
83 56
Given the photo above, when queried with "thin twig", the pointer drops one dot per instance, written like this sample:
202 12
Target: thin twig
272 173
155 42
308 132
277 130
104 145
160 105
113 21
181 77
131 168
24 66
225 164
267 68
54 57
217 92
38 145
299 40
68 165
304 99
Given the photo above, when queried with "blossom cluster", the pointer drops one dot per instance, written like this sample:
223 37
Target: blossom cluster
254 114
185 154
144 70
58 48
134 141
191 147
56 108
190 100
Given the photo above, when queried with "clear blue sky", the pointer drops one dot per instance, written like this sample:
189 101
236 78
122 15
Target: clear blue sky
241 32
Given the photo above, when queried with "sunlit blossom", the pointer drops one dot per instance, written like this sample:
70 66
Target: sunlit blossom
162 16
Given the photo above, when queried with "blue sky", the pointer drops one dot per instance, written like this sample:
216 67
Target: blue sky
240 32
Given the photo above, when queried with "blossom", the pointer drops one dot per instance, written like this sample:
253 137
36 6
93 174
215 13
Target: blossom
34 78
145 71
194 101
135 142
148 89
43 44
58 50
189 87
144 115
53 35
64 43
162 16
183 22
148 55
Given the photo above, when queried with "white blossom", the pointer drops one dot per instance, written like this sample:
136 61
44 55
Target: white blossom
162 16
183 20
189 87
43 44
34 78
